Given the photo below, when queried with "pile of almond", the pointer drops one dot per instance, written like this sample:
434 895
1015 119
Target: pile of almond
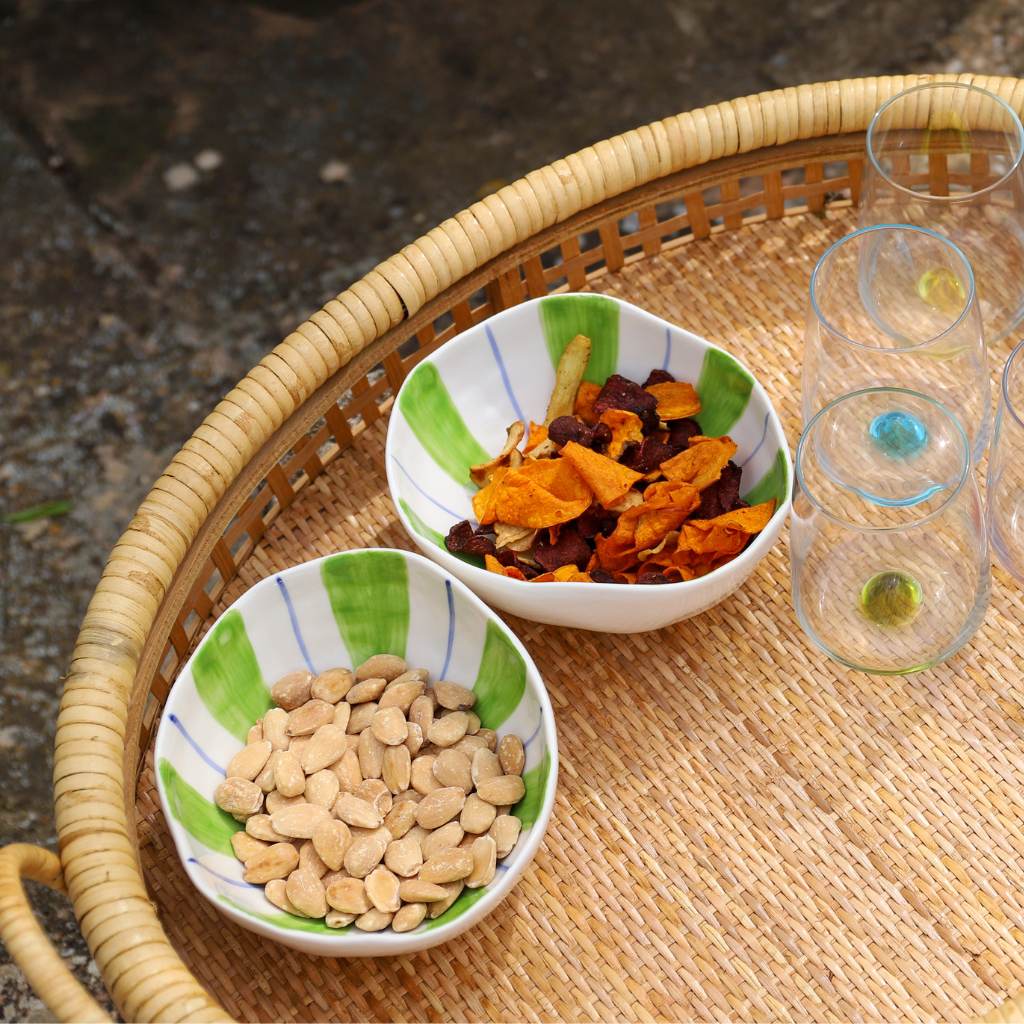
369 797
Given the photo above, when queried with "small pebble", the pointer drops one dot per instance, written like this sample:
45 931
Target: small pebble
335 171
208 160
180 177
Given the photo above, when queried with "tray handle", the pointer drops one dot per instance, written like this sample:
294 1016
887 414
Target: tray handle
29 947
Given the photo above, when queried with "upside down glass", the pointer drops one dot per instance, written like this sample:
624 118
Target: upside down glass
888 545
1005 488
894 305
948 156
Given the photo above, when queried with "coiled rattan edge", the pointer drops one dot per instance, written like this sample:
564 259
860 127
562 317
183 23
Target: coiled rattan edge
96 747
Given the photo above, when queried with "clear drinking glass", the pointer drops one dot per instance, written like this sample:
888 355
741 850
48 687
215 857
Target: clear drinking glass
888 545
948 156
1005 490
893 305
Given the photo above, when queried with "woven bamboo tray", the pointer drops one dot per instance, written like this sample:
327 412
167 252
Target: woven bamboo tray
743 830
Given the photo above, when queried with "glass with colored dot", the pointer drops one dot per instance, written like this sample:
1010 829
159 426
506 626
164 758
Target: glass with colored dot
947 156
1005 486
888 543
894 306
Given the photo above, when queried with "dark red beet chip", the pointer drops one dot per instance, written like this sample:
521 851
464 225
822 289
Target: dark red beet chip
601 437
680 432
648 578
648 455
602 576
511 558
569 549
566 428
722 496
658 377
621 393
462 540
595 520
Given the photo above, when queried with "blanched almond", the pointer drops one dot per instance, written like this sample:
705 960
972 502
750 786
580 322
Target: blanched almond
490 737
255 733
511 755
375 792
292 691
505 833
300 820
421 774
474 724
360 717
276 892
289 778
367 690
305 720
401 818
349 896
383 666
259 827
275 728
454 891
373 920
330 840
326 746
245 846
238 796
440 806
310 860
414 740
305 892
404 857
277 861
454 697
502 789
452 768
401 695
276 800
441 839
249 761
477 815
444 732
421 711
322 788
365 853
485 766
353 811
469 745
382 889
297 745
485 855
371 755
396 768
414 890
336 919
332 685
265 780
347 770
389 726
409 917
342 714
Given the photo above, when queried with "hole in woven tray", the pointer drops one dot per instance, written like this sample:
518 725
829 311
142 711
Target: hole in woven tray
629 224
669 208
592 268
750 186
793 176
169 662
551 258
589 240
191 623
836 169
151 709
213 582
477 299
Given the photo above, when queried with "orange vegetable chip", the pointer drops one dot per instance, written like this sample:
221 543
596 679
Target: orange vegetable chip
585 398
493 565
702 463
609 480
540 493
485 500
676 399
563 574
625 426
665 506
538 435
712 541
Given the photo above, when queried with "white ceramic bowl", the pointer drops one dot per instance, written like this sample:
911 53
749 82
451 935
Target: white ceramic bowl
453 410
329 612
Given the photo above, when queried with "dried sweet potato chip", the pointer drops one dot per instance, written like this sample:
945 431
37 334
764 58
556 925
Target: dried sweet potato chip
609 480
625 427
721 538
541 493
509 571
538 435
585 398
676 399
482 473
702 463
485 500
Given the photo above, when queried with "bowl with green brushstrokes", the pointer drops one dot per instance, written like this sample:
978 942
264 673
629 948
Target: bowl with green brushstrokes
454 408
331 612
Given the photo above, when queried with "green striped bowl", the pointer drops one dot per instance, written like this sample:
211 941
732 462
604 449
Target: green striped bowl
337 611
454 408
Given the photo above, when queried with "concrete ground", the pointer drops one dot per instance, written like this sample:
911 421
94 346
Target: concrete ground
181 184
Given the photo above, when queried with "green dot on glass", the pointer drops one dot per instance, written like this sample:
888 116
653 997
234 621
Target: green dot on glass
891 598
898 434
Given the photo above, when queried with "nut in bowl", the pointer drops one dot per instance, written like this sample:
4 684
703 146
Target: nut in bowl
353 736
580 462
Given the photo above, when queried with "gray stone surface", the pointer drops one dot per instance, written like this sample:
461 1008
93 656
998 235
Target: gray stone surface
180 185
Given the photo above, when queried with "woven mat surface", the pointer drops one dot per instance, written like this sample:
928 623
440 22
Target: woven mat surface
743 829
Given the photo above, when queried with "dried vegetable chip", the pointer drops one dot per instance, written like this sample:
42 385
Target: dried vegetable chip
621 393
493 565
563 574
568 377
702 463
607 479
584 405
508 456
625 427
541 493
676 399
537 435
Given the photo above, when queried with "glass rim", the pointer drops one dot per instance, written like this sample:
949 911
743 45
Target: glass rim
963 196
845 523
969 305
1005 383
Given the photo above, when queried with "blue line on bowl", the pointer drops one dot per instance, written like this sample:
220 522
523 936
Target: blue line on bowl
432 500
668 348
496 352
223 878
176 722
293 618
757 447
451 628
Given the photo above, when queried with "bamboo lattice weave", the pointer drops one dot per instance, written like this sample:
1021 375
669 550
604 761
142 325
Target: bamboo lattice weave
743 829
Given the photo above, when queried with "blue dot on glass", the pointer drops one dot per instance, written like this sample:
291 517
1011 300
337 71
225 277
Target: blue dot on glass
898 434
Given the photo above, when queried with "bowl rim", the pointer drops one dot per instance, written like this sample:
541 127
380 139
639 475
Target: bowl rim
746 559
386 942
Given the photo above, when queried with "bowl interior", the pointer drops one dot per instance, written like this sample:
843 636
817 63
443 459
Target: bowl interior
337 611
454 408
